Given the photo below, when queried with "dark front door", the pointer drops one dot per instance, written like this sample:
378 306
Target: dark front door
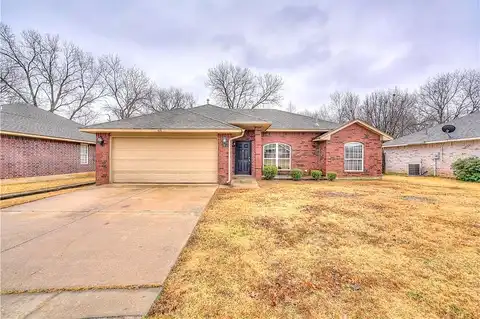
243 158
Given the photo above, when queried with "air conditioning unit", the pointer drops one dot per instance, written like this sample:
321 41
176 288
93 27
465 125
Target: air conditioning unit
414 169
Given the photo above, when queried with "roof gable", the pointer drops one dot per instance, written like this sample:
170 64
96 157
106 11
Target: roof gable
327 136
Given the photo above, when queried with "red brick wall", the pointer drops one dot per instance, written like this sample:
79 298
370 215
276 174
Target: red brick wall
26 157
223 159
322 157
103 159
304 150
372 151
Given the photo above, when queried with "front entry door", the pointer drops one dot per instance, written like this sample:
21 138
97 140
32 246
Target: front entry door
243 158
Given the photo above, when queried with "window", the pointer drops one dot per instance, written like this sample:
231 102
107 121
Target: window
353 157
277 154
83 154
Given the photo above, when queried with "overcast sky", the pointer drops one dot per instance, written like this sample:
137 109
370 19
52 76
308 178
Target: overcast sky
317 46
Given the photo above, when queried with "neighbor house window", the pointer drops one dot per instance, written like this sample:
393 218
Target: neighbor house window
277 154
353 157
83 154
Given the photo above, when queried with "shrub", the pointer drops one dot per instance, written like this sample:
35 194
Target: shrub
331 176
467 169
270 171
296 174
316 174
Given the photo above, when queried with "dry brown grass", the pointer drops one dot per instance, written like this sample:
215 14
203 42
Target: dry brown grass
396 248
24 187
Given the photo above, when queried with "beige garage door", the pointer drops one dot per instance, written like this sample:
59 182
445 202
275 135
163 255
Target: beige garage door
164 160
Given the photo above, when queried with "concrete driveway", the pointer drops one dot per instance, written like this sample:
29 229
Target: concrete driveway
100 240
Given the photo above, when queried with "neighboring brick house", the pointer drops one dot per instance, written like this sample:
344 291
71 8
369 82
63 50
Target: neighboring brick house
35 142
209 144
433 149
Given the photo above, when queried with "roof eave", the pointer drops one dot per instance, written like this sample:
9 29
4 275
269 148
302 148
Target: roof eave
44 137
297 130
126 130
434 142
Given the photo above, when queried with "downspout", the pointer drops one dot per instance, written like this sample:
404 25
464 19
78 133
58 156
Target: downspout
230 156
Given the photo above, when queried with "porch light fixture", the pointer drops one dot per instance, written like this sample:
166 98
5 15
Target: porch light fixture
224 141
100 141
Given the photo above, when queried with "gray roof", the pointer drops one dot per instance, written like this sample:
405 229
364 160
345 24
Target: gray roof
175 119
286 120
28 119
465 127
214 117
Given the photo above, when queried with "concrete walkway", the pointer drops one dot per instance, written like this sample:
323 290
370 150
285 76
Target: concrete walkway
95 239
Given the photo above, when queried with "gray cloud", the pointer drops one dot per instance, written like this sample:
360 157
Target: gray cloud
295 15
317 47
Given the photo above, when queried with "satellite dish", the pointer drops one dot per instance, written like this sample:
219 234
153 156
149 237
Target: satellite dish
448 128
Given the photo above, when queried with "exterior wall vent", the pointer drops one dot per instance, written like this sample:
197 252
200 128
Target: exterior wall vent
414 170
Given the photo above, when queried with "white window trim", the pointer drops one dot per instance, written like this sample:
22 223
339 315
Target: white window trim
83 147
356 159
276 156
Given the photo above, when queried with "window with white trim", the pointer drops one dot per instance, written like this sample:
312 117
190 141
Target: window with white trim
353 157
277 154
83 153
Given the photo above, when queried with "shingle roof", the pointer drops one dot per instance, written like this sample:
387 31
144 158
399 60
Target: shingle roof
214 117
175 119
227 115
286 120
465 128
28 119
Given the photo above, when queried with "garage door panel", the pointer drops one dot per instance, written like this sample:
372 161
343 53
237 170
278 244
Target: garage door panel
160 160
171 164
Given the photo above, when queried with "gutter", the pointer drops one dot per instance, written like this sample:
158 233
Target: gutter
230 155
434 142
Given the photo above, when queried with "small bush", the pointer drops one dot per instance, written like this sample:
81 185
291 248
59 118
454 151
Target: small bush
270 171
296 174
316 174
467 169
331 176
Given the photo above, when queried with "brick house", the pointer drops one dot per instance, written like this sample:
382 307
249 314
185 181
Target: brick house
209 144
432 151
35 142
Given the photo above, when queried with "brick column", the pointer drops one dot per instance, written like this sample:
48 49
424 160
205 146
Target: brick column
223 159
258 153
102 153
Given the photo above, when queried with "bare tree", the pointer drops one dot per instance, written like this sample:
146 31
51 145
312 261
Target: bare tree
58 66
442 98
239 88
392 111
160 99
91 89
20 58
41 70
128 88
345 105
471 90
323 113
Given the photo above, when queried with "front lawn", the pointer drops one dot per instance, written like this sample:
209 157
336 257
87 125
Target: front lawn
397 248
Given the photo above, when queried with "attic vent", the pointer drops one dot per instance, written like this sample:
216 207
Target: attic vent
413 169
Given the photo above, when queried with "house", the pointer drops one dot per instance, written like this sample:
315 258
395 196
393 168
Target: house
432 151
210 144
35 142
